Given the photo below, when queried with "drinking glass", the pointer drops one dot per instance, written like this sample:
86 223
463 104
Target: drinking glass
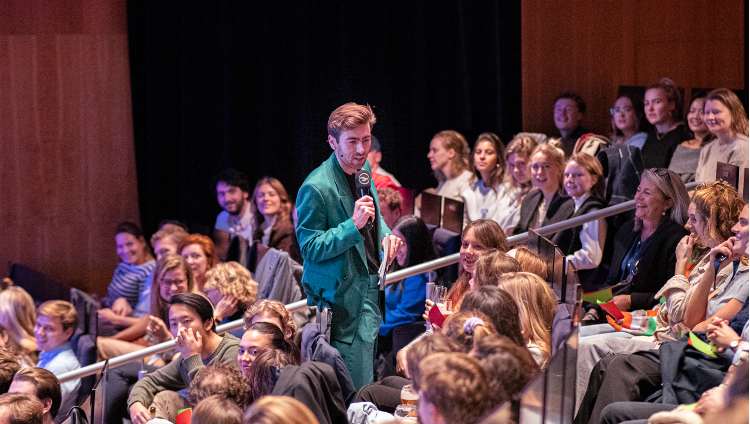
438 294
406 414
409 396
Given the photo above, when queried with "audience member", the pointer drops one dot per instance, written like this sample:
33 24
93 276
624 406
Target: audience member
663 108
18 316
19 408
273 312
726 118
488 161
509 367
373 158
583 245
516 183
56 320
404 299
200 253
466 327
491 266
44 386
453 389
232 189
261 335
164 241
216 410
687 154
476 238
568 113
273 218
390 203
131 273
279 410
173 276
500 307
9 366
231 289
644 251
192 324
219 380
539 208
536 307
449 159
628 125
312 383
530 261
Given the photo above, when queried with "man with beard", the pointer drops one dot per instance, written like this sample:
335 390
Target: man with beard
232 190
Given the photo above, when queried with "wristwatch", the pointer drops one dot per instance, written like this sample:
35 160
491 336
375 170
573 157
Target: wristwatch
735 344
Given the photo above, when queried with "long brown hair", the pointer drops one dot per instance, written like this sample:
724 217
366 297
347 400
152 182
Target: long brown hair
169 262
497 174
489 233
285 207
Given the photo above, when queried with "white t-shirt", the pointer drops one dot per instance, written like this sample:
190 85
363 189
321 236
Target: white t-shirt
241 225
501 204
454 187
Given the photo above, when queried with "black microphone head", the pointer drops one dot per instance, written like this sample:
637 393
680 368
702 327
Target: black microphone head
362 180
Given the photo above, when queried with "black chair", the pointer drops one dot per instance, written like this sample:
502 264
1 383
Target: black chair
40 286
84 338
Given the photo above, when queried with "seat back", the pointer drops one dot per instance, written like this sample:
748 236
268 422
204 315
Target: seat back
40 286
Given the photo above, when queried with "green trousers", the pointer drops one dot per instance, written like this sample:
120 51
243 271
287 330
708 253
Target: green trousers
359 354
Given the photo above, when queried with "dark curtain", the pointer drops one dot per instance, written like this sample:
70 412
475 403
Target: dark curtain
250 85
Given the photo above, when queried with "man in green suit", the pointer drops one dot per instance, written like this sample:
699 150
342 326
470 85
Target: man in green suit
341 236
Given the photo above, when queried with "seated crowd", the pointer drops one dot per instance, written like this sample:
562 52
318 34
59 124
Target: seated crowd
674 270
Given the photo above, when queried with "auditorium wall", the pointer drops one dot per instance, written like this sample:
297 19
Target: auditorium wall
594 46
67 164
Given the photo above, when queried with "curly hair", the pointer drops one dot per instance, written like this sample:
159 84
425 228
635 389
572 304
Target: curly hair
719 205
233 279
456 385
219 379
390 197
453 140
536 307
205 243
273 307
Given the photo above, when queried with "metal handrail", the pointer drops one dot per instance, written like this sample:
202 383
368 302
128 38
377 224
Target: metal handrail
393 276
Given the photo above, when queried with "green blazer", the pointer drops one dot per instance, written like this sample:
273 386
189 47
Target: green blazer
335 266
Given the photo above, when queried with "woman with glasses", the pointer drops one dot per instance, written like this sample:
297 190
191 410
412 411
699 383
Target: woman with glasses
644 251
172 275
686 154
725 117
628 125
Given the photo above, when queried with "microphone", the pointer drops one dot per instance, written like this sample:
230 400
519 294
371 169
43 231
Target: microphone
362 183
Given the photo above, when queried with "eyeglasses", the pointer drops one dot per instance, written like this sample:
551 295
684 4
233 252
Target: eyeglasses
662 172
170 282
626 109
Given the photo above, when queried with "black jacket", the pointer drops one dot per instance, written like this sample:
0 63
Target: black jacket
656 265
530 205
315 385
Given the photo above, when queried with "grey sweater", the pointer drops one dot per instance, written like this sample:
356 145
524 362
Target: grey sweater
178 374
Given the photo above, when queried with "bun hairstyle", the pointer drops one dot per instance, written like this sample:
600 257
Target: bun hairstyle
466 326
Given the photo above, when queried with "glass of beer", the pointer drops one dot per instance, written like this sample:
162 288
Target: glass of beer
438 294
446 308
409 396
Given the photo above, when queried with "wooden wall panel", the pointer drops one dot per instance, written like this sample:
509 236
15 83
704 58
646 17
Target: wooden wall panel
67 166
594 46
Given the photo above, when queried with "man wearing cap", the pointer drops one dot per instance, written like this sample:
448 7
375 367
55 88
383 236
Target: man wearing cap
380 176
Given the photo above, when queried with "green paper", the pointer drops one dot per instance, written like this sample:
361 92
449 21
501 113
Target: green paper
598 297
182 410
701 346
689 407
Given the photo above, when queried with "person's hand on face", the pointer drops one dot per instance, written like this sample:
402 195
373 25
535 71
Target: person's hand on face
188 343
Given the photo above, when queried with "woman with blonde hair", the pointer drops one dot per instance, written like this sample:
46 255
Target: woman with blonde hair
449 159
536 308
530 261
279 410
272 217
517 181
662 105
540 206
725 117
231 289
18 316
491 266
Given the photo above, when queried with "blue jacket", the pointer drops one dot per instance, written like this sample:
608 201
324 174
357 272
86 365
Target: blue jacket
335 270
406 307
